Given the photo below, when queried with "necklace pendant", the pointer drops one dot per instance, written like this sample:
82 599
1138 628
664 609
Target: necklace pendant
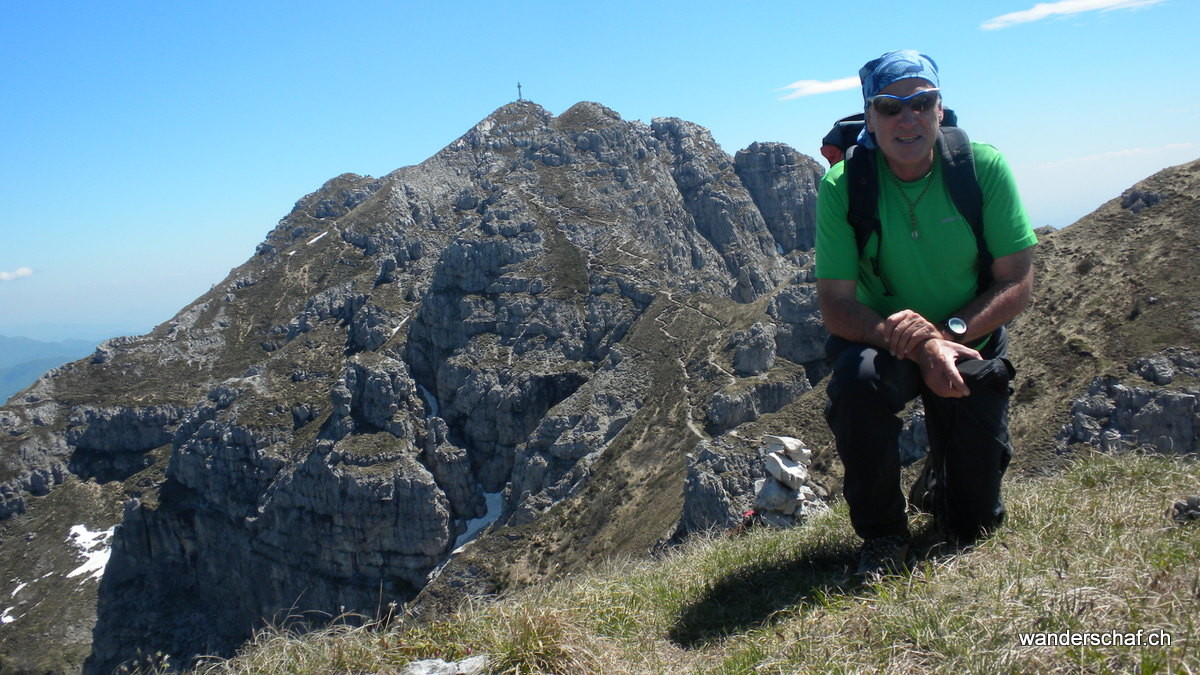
916 235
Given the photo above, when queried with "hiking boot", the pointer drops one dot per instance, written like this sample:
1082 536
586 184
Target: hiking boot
882 556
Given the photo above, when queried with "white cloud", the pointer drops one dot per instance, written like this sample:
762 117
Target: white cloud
1045 10
802 88
16 274
1128 153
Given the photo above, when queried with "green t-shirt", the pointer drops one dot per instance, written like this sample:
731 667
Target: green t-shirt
934 274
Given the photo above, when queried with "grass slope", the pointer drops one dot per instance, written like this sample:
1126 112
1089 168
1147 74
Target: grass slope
1117 286
1090 552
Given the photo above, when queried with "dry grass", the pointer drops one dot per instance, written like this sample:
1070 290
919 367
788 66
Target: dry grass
1090 551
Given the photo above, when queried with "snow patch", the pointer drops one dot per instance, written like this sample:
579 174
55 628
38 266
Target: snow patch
398 327
94 548
317 238
431 400
7 616
495 503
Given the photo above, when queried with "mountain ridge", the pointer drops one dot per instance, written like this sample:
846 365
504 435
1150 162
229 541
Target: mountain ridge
502 283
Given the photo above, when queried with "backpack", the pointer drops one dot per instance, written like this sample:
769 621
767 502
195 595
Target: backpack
958 163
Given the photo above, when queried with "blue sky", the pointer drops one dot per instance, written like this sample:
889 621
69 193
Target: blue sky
149 146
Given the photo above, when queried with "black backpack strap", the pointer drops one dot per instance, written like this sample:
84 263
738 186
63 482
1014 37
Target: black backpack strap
863 190
863 211
958 163
863 214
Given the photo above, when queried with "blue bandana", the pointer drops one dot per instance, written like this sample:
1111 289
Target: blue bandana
879 73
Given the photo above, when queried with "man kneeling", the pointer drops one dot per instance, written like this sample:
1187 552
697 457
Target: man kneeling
918 308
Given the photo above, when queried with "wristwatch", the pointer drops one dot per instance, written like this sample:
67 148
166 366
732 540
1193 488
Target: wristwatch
957 328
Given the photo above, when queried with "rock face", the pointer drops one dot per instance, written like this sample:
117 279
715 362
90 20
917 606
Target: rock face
783 183
754 350
719 487
1114 416
800 335
314 433
743 403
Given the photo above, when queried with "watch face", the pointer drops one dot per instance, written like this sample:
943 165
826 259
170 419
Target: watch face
956 325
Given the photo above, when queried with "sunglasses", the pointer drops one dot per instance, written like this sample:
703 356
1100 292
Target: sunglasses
889 106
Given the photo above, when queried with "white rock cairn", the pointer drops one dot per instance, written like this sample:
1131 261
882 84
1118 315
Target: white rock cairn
783 498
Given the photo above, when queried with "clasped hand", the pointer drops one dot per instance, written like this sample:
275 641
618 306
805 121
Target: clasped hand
911 336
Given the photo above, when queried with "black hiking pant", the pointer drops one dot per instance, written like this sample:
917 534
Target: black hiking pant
968 437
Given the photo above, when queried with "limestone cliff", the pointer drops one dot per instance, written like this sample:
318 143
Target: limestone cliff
314 435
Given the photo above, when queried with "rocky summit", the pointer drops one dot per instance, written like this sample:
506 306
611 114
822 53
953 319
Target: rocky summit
538 322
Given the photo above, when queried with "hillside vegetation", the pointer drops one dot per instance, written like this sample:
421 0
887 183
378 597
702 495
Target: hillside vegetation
1092 552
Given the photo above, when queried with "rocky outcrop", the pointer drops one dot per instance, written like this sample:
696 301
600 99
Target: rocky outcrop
719 488
1136 199
49 442
719 205
1164 367
753 350
555 461
746 401
42 467
451 469
783 184
800 332
1114 416
111 443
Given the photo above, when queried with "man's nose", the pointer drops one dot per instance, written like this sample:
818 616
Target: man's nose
908 116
